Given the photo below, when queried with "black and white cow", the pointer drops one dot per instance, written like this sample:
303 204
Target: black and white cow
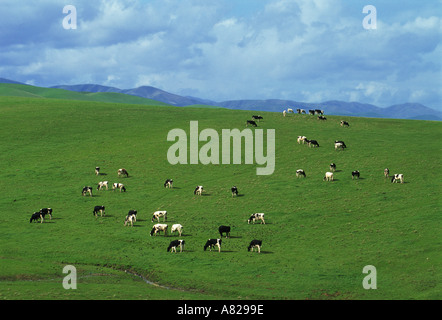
130 219
355 174
98 209
397 177
255 244
234 190
257 118
344 124
312 143
322 118
213 243
174 244
386 172
318 111
123 172
158 214
251 122
168 183
158 228
224 229
120 186
340 145
332 167
46 211
198 190
301 139
97 171
256 216
311 112
87 190
133 213
103 184
300 172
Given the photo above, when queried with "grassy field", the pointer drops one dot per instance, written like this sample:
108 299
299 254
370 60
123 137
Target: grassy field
317 238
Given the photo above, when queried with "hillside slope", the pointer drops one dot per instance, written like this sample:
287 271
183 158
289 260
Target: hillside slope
318 235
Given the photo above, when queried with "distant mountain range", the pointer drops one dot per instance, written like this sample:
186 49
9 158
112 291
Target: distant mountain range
400 111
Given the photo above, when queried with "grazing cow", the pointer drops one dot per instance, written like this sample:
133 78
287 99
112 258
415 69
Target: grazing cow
332 167
386 172
318 111
311 112
103 184
257 118
284 113
158 214
290 110
224 229
120 186
328 176
133 213
176 227
86 190
300 111
256 216
130 219
168 183
35 216
98 209
300 172
344 123
301 139
158 228
46 211
322 118
251 122
355 174
123 172
340 145
212 243
176 243
312 142
255 244
234 190
397 177
198 190
97 171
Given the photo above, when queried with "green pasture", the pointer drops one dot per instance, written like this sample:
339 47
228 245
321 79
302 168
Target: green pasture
317 238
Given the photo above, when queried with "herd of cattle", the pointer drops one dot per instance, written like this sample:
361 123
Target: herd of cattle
131 217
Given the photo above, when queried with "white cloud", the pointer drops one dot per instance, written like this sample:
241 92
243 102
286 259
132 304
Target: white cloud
306 49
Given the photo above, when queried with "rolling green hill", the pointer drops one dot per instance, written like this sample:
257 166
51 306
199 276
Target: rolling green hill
19 90
317 238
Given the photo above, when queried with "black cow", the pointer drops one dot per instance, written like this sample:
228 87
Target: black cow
224 229
355 174
35 216
257 118
251 122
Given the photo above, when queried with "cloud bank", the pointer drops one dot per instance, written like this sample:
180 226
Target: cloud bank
304 50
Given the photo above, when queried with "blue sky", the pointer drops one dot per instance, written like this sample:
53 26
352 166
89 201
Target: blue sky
303 50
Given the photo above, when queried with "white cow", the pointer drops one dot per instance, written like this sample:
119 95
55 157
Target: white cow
177 227
328 176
